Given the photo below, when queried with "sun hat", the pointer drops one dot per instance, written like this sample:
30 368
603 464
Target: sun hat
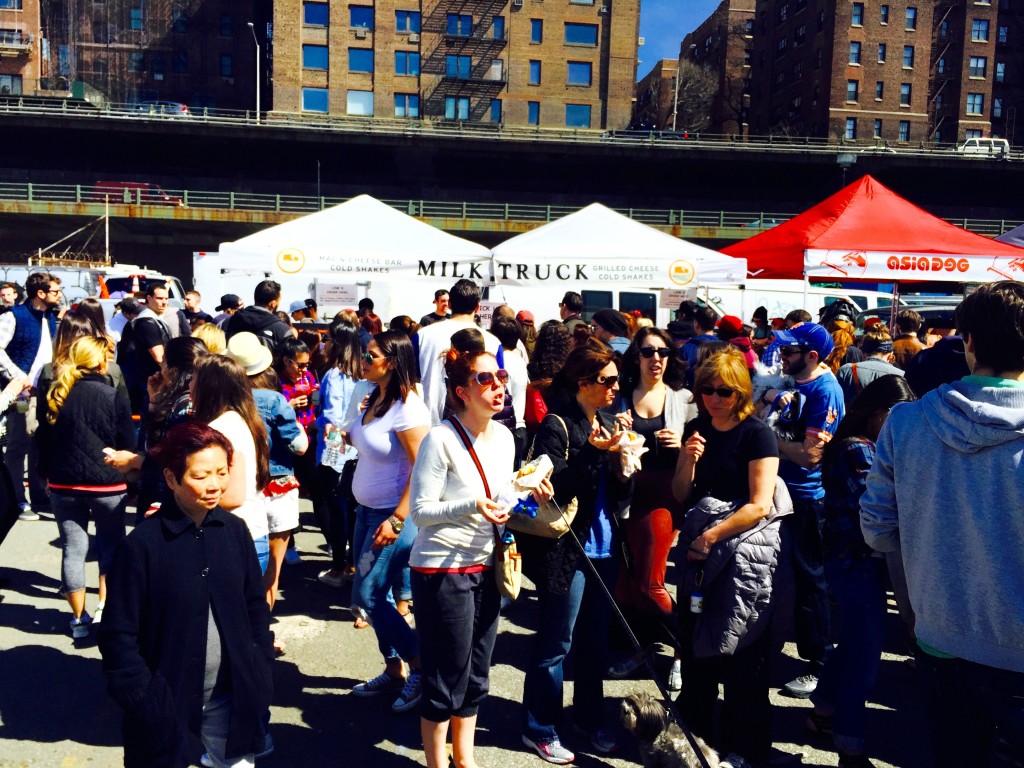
247 350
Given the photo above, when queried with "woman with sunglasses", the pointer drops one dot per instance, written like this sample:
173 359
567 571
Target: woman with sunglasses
654 404
732 456
387 436
453 584
577 436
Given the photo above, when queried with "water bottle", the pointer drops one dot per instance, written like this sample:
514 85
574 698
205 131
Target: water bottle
333 447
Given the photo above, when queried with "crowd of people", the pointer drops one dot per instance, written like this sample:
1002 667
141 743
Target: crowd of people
791 471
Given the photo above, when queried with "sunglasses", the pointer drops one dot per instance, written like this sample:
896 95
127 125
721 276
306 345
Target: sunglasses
300 366
787 351
606 381
649 352
723 392
369 359
487 378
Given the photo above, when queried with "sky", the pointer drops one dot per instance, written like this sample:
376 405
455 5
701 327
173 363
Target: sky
664 24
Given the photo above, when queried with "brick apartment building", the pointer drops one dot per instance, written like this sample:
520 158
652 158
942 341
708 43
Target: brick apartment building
20 44
199 52
518 62
655 97
901 70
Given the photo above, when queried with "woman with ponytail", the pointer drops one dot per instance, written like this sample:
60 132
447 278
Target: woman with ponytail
86 417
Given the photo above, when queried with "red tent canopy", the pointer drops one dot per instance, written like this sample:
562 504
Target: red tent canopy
868 232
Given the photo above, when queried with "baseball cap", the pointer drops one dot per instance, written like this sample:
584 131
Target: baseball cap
730 324
525 317
229 301
297 306
810 336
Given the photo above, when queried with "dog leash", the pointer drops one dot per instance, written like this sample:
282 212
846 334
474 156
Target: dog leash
671 708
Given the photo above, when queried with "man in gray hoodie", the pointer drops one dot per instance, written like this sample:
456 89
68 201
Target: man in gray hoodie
947 490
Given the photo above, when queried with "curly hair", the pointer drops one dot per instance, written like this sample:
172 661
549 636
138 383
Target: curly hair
550 351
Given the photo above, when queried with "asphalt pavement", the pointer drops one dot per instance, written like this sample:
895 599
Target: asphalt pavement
54 710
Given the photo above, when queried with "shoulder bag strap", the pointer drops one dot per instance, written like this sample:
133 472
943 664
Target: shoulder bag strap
461 432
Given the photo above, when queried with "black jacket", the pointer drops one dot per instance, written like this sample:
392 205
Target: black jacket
551 563
94 416
267 326
166 576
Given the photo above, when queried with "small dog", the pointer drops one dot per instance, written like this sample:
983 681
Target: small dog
662 742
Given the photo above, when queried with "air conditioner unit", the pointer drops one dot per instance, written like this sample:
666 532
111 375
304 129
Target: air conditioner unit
603 9
361 33
640 41
414 38
517 3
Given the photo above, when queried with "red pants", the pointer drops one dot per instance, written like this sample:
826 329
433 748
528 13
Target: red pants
649 534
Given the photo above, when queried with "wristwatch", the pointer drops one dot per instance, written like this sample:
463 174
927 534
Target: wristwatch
397 523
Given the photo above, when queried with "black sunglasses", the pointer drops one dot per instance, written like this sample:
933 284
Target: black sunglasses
787 351
486 378
649 352
368 358
723 392
607 381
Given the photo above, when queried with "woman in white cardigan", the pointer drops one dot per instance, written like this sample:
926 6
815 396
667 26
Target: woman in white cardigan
453 582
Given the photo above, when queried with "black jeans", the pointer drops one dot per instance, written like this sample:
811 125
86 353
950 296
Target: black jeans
334 509
811 609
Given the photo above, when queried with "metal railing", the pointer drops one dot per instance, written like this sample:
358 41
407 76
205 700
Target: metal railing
151 195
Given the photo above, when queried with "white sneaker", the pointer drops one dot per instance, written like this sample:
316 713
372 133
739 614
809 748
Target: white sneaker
97 616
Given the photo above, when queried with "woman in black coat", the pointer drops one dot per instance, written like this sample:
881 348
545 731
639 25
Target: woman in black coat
185 639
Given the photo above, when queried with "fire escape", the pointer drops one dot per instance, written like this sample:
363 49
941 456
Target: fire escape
944 98
462 68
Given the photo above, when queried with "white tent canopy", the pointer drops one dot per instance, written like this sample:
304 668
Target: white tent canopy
598 245
360 239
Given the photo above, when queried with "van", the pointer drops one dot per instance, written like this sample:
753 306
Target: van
987 147
132 192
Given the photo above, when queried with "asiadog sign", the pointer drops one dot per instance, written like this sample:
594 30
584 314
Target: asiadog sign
891 266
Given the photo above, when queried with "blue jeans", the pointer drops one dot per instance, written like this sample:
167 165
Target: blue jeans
378 573
850 670
811 611
262 545
584 612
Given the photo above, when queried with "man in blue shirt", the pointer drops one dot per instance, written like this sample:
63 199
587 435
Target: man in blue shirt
703 331
820 407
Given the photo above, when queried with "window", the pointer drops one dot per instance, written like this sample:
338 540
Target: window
314 57
748 27
498 28
938 100
879 90
975 103
581 34
179 63
881 53
458 66
877 130
460 24
904 130
533 113
227 65
179 21
1000 72
137 61
536 30
972 133
535 72
997 107
497 71
855 52
314 99
1003 34
136 18
11 5
456 108
227 29
800 35
158 67
908 56
978 66
858 15
360 16
884 14
940 66
979 30
851 128
407 63
577 115
943 30
748 57
852 90
407 21
580 73
495 110
911 17
359 60
905 93
359 103
407 105
315 14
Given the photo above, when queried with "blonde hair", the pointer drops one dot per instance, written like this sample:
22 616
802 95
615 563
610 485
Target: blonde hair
731 366
213 337
85 355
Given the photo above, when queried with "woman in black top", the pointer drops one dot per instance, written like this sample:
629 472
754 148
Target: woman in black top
730 455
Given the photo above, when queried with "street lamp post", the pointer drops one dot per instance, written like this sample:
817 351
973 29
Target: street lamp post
256 40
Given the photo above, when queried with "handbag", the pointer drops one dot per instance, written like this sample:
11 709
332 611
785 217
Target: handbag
508 563
551 522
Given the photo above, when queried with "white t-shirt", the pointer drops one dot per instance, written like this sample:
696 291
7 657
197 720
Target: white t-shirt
433 341
518 378
445 487
383 469
253 511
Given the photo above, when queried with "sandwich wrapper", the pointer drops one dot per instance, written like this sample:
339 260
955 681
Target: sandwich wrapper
631 448
517 497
